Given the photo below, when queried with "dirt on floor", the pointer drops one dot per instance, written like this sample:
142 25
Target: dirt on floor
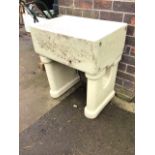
66 131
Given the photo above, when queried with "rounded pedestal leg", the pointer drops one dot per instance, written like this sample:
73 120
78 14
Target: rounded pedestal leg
60 77
100 90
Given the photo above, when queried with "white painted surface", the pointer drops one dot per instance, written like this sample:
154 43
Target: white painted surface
60 77
79 27
100 90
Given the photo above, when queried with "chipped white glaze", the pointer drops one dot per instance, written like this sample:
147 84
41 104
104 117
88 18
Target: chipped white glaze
87 48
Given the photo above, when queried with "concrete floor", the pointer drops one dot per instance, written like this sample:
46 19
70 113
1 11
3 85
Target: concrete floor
50 128
34 99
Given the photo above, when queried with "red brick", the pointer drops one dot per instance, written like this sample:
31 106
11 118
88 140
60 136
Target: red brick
130 40
77 12
102 4
128 60
119 81
132 51
84 4
69 11
129 85
124 6
91 14
124 93
131 69
111 16
130 19
126 50
62 10
121 66
125 76
130 30
65 3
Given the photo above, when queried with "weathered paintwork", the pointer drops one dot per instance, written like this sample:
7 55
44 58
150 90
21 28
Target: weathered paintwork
80 51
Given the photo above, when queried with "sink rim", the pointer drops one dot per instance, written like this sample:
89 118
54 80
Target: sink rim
69 29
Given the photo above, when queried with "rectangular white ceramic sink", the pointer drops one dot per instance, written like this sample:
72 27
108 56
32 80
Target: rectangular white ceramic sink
89 45
82 43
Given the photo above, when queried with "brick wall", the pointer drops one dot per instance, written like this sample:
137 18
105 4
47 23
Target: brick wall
115 10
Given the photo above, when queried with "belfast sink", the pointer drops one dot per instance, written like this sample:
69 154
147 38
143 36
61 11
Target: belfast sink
92 46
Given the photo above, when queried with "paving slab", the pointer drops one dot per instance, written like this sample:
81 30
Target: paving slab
65 130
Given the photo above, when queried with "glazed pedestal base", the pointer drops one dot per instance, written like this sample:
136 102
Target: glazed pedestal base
100 90
100 87
60 77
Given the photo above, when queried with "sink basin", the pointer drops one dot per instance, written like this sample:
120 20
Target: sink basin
82 43
90 45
